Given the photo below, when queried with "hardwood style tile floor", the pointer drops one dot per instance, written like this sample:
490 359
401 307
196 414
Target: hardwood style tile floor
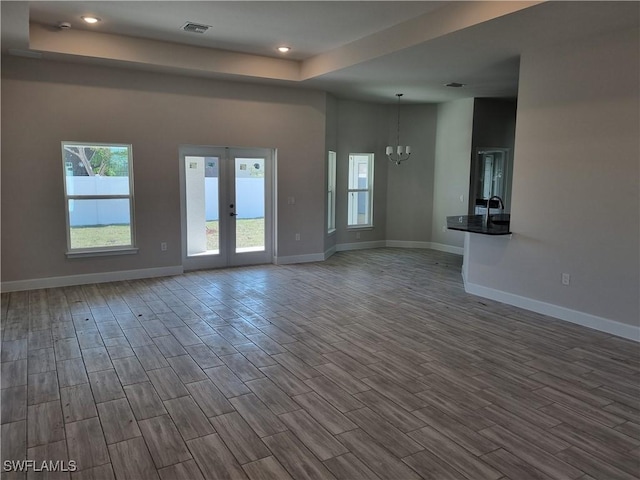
372 365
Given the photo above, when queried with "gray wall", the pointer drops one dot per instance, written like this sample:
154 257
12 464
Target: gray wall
575 204
362 129
403 195
452 167
410 185
44 103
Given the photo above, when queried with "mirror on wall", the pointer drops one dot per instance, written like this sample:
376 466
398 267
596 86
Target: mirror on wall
491 174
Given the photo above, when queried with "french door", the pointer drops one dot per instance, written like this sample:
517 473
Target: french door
227 206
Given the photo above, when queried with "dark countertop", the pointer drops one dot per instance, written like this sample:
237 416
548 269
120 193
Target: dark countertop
476 224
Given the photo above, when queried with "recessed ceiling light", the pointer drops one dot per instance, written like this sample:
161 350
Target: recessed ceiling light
90 19
284 49
455 85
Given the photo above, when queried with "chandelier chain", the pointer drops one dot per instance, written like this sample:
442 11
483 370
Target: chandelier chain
398 124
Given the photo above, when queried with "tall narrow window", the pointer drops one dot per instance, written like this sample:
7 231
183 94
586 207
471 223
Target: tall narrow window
360 192
331 192
98 185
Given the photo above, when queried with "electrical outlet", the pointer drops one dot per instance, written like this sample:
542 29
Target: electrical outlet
566 279
297 236
163 246
444 228
357 235
291 200
461 198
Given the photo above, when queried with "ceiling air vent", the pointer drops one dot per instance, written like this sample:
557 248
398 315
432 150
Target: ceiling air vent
195 27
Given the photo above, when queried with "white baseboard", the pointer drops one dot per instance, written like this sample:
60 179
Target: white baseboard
330 252
343 247
406 244
426 245
442 247
291 259
562 313
66 281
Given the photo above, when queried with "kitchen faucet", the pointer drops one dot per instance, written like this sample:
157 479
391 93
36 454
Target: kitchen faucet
487 219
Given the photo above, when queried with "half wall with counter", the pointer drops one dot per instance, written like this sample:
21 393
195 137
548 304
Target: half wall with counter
494 225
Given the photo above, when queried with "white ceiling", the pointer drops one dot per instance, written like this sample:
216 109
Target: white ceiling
241 26
362 50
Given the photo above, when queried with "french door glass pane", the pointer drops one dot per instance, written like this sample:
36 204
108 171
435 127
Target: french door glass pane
201 186
97 223
212 212
250 204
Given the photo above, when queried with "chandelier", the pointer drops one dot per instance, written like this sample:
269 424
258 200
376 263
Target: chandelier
399 153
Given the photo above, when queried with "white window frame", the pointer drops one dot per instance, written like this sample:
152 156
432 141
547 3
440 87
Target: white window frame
105 249
331 192
352 209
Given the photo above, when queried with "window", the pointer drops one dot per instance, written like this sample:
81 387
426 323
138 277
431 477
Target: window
331 192
360 193
98 183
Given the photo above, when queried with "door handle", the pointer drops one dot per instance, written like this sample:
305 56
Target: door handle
233 214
